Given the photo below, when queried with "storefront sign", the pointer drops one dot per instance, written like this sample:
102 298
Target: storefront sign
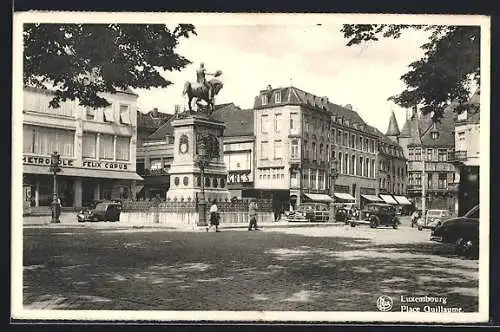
239 177
46 161
104 164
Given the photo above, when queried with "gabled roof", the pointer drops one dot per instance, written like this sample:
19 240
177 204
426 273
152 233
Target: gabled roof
153 119
445 130
393 128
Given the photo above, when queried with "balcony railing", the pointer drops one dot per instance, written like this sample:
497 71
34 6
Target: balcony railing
457 156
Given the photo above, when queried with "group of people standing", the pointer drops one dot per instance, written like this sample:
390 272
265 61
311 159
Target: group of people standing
215 216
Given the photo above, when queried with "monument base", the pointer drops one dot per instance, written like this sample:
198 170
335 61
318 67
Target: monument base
190 167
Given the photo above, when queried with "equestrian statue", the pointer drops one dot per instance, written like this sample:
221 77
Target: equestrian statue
203 89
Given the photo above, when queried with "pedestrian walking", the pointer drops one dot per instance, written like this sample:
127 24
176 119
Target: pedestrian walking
214 216
252 213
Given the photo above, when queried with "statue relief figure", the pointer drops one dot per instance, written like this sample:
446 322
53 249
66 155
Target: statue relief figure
203 89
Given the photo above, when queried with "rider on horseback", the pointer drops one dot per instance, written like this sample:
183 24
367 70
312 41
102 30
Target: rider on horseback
200 78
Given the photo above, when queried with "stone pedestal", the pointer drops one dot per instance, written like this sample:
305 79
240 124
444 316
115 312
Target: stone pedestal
185 171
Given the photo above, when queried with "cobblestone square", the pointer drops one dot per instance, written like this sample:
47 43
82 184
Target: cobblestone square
289 269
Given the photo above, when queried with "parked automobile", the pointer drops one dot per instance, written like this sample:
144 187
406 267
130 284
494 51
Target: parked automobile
103 211
463 232
342 215
315 212
295 216
378 214
433 218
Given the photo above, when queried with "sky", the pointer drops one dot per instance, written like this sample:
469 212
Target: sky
313 58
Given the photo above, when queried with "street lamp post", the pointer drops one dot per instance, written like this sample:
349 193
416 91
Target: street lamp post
56 205
334 174
202 204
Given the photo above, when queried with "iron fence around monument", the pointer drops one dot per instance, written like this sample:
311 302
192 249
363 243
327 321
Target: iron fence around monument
263 205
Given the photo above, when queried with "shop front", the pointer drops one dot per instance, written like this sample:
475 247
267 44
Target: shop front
76 186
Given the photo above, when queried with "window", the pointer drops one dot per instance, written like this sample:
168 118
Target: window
277 97
346 164
124 114
44 141
442 155
372 169
90 113
264 100
353 164
346 139
277 150
434 135
277 122
360 146
122 148
340 165
366 171
155 164
410 154
429 154
313 151
429 181
327 153
313 183
320 156
293 120
321 185
28 139
339 137
295 149
353 141
263 150
89 145
109 115
264 123
418 179
418 154
443 181
106 147
360 167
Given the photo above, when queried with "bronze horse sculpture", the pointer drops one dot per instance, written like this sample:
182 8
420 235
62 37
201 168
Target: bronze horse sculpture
202 92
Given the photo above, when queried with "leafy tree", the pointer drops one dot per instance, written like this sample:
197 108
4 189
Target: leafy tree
443 75
82 61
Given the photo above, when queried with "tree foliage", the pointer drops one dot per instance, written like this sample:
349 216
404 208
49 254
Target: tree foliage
443 75
83 61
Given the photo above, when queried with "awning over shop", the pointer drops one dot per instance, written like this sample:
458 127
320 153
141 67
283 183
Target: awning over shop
344 196
402 200
372 198
319 197
85 173
388 199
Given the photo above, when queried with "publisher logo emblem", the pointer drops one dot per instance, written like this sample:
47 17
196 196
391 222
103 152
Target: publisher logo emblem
384 303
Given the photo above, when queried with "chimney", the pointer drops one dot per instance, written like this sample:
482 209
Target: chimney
348 106
154 112
177 108
269 87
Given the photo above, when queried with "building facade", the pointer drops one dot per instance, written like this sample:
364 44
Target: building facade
466 157
427 145
302 139
97 148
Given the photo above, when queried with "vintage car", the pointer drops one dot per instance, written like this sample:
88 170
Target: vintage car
463 232
103 211
342 215
378 214
433 218
315 212
295 216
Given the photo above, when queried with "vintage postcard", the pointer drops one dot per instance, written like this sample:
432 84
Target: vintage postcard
341 158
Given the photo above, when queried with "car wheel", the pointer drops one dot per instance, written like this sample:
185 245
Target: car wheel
353 224
459 246
395 225
419 228
373 222
469 249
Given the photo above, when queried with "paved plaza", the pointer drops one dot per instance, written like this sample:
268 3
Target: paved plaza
331 268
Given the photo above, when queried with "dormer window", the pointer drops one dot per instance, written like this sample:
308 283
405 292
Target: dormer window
264 100
277 97
435 135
